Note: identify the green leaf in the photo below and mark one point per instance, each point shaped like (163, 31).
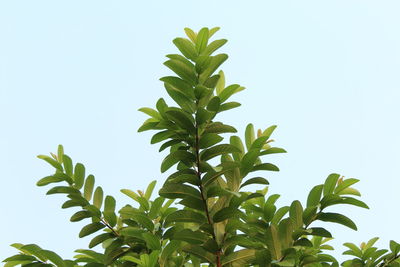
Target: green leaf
(255, 180)
(191, 34)
(221, 82)
(100, 239)
(215, 62)
(20, 257)
(63, 190)
(225, 213)
(53, 257)
(186, 47)
(345, 184)
(218, 127)
(314, 196)
(48, 180)
(51, 161)
(151, 112)
(207, 140)
(228, 106)
(192, 237)
(265, 167)
(152, 241)
(182, 70)
(181, 120)
(213, 46)
(161, 136)
(179, 85)
(239, 258)
(149, 190)
(199, 252)
(175, 157)
(155, 207)
(202, 40)
(98, 197)
(90, 229)
(273, 242)
(80, 215)
(356, 250)
(213, 104)
(268, 132)
(336, 218)
(249, 135)
(296, 214)
(273, 150)
(218, 150)
(79, 175)
(88, 188)
(330, 183)
(68, 166)
(229, 91)
(185, 216)
(130, 194)
(179, 191)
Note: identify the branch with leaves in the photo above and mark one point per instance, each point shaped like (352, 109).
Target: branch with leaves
(203, 216)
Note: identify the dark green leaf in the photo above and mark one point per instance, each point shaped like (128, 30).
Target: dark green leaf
(175, 157)
(79, 175)
(185, 216)
(255, 180)
(218, 150)
(91, 228)
(179, 191)
(80, 215)
(218, 127)
(225, 213)
(337, 218)
(63, 190)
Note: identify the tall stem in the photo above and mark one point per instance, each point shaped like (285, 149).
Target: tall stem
(207, 212)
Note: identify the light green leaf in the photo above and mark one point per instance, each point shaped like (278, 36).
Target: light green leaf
(98, 197)
(202, 40)
(314, 196)
(186, 47)
(330, 183)
(149, 190)
(213, 46)
(51, 161)
(88, 188)
(191, 34)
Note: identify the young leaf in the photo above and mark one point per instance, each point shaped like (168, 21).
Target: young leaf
(98, 197)
(88, 188)
(330, 183)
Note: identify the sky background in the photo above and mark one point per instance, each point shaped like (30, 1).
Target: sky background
(76, 72)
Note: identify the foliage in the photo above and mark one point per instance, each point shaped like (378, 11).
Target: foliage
(203, 216)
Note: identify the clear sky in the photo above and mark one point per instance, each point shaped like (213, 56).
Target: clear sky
(76, 72)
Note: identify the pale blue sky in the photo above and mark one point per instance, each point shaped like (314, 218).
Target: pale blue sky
(75, 73)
